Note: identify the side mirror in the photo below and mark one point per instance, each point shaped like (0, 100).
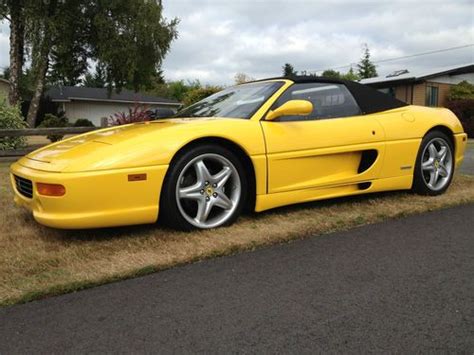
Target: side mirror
(291, 108)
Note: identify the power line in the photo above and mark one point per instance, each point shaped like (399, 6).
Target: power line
(398, 58)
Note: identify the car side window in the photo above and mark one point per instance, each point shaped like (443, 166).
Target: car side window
(330, 100)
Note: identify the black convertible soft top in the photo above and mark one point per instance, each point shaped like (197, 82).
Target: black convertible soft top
(368, 99)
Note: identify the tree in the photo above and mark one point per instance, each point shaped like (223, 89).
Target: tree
(96, 79)
(198, 94)
(39, 24)
(173, 89)
(132, 42)
(27, 84)
(13, 12)
(68, 57)
(157, 78)
(365, 68)
(6, 73)
(241, 78)
(330, 73)
(350, 75)
(128, 37)
(178, 89)
(289, 70)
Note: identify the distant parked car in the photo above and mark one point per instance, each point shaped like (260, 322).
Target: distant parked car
(258, 145)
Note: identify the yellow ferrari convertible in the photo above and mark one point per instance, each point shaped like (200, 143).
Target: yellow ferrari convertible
(254, 146)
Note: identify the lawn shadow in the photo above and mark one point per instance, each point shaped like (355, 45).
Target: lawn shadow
(98, 234)
(157, 230)
(331, 202)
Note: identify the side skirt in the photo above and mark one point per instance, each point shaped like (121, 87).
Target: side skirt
(268, 201)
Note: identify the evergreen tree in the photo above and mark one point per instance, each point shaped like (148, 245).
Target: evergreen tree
(289, 70)
(365, 68)
(6, 73)
(96, 79)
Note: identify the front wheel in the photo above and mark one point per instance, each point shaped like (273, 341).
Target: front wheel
(203, 189)
(435, 164)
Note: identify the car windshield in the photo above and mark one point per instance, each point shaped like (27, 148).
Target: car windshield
(240, 101)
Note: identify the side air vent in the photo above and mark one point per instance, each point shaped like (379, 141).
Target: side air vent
(367, 160)
(364, 185)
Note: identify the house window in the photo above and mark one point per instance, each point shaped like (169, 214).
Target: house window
(431, 96)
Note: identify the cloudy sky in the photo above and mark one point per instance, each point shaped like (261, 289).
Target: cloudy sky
(218, 38)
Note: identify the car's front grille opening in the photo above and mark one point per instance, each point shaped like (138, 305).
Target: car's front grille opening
(24, 186)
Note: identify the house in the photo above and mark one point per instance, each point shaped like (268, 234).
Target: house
(4, 89)
(425, 88)
(97, 104)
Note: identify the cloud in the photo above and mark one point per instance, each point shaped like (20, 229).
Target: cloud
(4, 45)
(218, 38)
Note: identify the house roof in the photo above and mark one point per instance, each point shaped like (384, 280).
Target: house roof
(409, 75)
(4, 81)
(75, 93)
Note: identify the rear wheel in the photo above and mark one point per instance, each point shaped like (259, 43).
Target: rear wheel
(435, 164)
(203, 189)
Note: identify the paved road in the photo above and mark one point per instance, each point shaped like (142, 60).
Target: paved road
(467, 166)
(405, 285)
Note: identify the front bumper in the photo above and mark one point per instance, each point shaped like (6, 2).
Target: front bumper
(93, 199)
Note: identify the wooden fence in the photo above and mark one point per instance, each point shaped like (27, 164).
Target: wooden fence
(63, 131)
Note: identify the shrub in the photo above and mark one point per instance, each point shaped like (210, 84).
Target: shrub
(136, 114)
(461, 91)
(464, 109)
(83, 122)
(52, 121)
(198, 94)
(11, 118)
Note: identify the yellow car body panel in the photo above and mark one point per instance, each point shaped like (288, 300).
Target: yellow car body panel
(315, 144)
(94, 169)
(293, 162)
(94, 199)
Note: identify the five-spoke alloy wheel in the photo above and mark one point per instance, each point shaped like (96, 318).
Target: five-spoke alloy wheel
(216, 196)
(204, 189)
(435, 164)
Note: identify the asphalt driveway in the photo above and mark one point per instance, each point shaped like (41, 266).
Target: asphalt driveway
(402, 286)
(467, 166)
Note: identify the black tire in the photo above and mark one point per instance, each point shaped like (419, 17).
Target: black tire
(420, 185)
(170, 213)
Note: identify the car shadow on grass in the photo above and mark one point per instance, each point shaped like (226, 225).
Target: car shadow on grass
(151, 230)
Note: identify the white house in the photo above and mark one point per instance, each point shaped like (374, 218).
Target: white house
(95, 104)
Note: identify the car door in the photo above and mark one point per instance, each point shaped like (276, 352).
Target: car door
(334, 145)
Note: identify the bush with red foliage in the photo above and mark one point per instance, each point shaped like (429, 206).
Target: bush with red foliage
(464, 109)
(136, 114)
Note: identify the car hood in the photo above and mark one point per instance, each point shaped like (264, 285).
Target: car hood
(134, 145)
